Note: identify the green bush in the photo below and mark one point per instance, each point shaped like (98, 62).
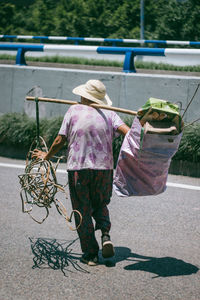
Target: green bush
(18, 131)
(49, 129)
(189, 148)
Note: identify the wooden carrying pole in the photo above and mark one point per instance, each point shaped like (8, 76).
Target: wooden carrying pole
(70, 102)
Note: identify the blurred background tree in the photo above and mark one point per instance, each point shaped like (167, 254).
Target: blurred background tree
(163, 19)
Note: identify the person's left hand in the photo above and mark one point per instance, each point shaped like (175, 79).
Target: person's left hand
(38, 154)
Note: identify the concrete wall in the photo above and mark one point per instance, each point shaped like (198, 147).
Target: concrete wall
(129, 91)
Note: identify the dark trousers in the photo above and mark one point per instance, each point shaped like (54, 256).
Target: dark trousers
(90, 192)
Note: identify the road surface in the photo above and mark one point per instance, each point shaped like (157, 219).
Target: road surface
(156, 242)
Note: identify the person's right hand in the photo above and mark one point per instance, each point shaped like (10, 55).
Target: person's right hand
(38, 154)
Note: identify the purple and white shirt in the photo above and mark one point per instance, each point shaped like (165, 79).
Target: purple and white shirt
(89, 133)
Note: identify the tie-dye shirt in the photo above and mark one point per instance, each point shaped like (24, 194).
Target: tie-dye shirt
(89, 133)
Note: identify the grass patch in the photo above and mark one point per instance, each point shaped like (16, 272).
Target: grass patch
(67, 60)
(166, 67)
(75, 60)
(102, 62)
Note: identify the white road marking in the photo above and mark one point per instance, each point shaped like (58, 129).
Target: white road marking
(170, 184)
(16, 166)
(184, 186)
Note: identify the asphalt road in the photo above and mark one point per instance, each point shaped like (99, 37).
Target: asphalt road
(156, 242)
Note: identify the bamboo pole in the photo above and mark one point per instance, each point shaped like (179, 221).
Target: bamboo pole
(70, 102)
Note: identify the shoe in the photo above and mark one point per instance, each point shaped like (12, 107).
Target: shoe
(107, 246)
(90, 259)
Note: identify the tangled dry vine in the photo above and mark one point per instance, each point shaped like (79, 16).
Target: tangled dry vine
(39, 187)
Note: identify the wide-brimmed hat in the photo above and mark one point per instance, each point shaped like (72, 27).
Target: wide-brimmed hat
(93, 90)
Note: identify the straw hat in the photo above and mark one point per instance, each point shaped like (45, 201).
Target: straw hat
(93, 90)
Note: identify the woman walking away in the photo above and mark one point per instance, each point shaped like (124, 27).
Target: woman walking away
(89, 133)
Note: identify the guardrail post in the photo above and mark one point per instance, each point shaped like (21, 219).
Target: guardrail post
(129, 62)
(20, 58)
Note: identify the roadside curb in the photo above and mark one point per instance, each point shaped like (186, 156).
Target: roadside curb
(185, 168)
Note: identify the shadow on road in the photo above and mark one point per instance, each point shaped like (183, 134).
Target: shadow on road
(54, 254)
(57, 255)
(162, 267)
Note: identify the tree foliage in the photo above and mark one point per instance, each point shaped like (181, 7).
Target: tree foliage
(164, 19)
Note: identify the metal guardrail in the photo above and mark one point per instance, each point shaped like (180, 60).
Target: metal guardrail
(129, 52)
(21, 50)
(110, 40)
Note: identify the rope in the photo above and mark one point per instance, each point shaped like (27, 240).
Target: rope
(191, 100)
(191, 123)
(39, 187)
